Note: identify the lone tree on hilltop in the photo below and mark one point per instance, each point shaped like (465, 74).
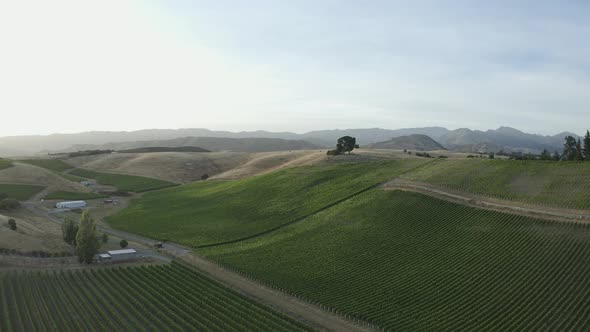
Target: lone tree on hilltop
(587, 145)
(87, 243)
(343, 145)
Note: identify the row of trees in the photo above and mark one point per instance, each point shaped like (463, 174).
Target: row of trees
(576, 150)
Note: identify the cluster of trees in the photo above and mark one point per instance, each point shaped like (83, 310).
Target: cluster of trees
(84, 237)
(574, 150)
(8, 204)
(343, 145)
(88, 153)
(33, 253)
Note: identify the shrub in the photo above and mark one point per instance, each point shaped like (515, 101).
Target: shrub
(123, 243)
(104, 238)
(9, 204)
(204, 176)
(12, 224)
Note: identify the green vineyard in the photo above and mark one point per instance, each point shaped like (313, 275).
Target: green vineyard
(123, 182)
(154, 298)
(209, 212)
(56, 165)
(409, 262)
(543, 183)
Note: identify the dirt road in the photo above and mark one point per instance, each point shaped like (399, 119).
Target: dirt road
(491, 204)
(303, 311)
(298, 309)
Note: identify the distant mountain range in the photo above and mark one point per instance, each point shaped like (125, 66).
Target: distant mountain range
(414, 142)
(503, 138)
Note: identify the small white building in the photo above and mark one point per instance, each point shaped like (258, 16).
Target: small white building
(71, 205)
(104, 258)
(122, 255)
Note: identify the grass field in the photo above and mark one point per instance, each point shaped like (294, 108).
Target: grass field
(123, 182)
(155, 298)
(408, 262)
(216, 211)
(5, 163)
(20, 192)
(69, 195)
(56, 165)
(551, 184)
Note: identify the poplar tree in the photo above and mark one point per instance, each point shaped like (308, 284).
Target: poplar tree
(587, 145)
(87, 243)
(579, 151)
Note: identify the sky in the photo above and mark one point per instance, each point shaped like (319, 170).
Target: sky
(293, 65)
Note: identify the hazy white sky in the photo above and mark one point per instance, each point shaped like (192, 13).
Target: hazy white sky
(70, 66)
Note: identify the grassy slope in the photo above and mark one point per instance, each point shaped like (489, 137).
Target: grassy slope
(56, 165)
(410, 262)
(5, 163)
(162, 298)
(211, 212)
(20, 192)
(553, 184)
(73, 195)
(123, 182)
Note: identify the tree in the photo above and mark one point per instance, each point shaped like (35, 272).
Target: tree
(346, 144)
(12, 224)
(491, 156)
(123, 243)
(556, 156)
(69, 229)
(343, 145)
(579, 151)
(569, 148)
(87, 244)
(104, 238)
(8, 204)
(545, 155)
(587, 145)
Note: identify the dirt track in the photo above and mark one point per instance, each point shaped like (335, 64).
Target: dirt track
(303, 311)
(491, 204)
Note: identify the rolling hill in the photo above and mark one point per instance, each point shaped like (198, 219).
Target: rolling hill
(210, 212)
(545, 183)
(209, 144)
(411, 142)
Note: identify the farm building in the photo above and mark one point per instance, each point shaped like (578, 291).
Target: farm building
(122, 255)
(71, 205)
(104, 258)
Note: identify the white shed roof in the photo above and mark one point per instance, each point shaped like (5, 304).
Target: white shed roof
(121, 252)
(104, 256)
(74, 202)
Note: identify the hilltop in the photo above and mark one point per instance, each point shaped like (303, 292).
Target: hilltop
(411, 142)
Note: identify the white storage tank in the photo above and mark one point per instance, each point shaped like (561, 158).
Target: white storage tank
(71, 205)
